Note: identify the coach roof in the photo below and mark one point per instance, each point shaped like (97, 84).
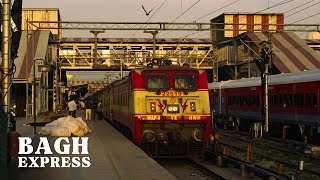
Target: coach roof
(298, 77)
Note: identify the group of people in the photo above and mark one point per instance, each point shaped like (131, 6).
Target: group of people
(92, 108)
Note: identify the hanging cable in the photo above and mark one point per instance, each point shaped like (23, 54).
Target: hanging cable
(302, 9)
(273, 6)
(144, 26)
(218, 9)
(180, 16)
(306, 18)
(299, 6)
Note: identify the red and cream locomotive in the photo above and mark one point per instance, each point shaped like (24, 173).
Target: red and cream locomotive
(163, 108)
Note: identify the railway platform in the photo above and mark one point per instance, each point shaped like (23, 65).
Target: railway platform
(112, 156)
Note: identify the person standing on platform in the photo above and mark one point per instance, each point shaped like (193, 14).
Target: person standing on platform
(94, 108)
(72, 108)
(88, 106)
(82, 106)
(99, 111)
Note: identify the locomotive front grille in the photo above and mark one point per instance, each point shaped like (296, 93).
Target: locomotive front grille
(172, 139)
(176, 150)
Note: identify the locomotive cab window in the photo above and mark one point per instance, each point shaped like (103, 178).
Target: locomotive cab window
(157, 82)
(185, 82)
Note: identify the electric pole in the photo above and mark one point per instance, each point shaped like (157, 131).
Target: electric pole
(5, 76)
(6, 58)
(266, 53)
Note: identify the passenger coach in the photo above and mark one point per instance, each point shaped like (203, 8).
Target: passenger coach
(293, 102)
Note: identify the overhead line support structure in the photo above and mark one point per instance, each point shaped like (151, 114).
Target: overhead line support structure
(95, 33)
(161, 26)
(154, 34)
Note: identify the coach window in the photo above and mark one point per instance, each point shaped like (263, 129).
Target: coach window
(234, 101)
(251, 100)
(298, 100)
(187, 82)
(256, 100)
(311, 100)
(156, 82)
(277, 100)
(248, 100)
(230, 100)
(270, 100)
(287, 100)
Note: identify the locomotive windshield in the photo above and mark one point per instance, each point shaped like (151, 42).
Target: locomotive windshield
(186, 82)
(157, 82)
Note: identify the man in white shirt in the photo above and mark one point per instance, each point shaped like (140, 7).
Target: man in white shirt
(72, 108)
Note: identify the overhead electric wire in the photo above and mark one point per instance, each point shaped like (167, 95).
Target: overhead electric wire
(227, 5)
(144, 26)
(181, 15)
(306, 18)
(299, 34)
(302, 9)
(146, 21)
(218, 9)
(273, 6)
(299, 6)
(186, 10)
(269, 7)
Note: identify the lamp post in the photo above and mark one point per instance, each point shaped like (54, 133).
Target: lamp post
(44, 68)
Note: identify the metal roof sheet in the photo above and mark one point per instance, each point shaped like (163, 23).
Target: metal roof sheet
(291, 54)
(35, 48)
(87, 77)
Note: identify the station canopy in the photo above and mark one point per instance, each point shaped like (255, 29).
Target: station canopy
(35, 48)
(77, 78)
(291, 53)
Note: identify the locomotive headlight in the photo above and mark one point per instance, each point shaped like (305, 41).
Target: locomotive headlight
(149, 136)
(152, 106)
(197, 135)
(173, 108)
(192, 106)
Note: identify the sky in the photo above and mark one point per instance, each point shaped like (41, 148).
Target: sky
(172, 11)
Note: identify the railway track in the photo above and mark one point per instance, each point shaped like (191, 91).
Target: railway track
(270, 153)
(187, 169)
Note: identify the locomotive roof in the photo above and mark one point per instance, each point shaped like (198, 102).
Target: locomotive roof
(298, 77)
(172, 67)
(158, 68)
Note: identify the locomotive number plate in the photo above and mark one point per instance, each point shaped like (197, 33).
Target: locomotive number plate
(171, 93)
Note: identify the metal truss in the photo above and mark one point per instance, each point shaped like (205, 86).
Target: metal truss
(111, 56)
(195, 26)
(124, 56)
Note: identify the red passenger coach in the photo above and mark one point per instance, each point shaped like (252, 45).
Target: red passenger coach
(164, 109)
(293, 102)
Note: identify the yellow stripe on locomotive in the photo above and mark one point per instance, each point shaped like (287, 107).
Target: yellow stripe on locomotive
(192, 106)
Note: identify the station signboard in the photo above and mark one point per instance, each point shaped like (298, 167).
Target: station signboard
(44, 68)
